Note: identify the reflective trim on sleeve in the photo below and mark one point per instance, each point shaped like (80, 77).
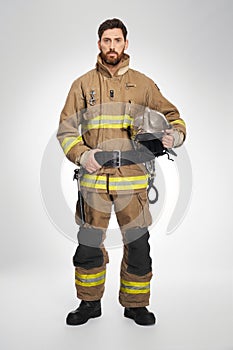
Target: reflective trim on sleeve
(70, 142)
(91, 279)
(130, 287)
(178, 121)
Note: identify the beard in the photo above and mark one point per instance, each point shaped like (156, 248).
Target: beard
(112, 60)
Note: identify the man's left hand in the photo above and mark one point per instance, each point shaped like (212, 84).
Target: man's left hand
(168, 139)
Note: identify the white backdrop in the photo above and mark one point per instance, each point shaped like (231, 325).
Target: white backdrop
(186, 48)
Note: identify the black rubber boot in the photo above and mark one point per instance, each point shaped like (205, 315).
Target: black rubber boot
(85, 311)
(140, 315)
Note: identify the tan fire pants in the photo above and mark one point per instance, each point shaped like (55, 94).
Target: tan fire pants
(90, 259)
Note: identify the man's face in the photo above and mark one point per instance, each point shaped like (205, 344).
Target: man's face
(112, 46)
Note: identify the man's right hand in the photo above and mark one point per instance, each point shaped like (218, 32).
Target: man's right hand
(88, 161)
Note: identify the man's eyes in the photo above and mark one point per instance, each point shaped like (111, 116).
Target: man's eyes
(118, 40)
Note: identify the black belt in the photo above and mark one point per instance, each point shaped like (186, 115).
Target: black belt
(115, 159)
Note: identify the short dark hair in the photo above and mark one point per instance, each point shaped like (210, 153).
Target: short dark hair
(111, 24)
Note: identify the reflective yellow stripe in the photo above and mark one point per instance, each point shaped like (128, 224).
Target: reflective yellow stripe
(134, 291)
(70, 142)
(115, 183)
(106, 126)
(95, 275)
(127, 187)
(178, 121)
(113, 117)
(95, 177)
(115, 179)
(94, 185)
(136, 284)
(109, 122)
(94, 181)
(130, 178)
(89, 284)
(90, 280)
(131, 182)
(132, 287)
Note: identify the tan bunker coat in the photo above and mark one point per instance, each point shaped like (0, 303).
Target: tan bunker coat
(99, 113)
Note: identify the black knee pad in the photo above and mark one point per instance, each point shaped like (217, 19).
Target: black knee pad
(133, 234)
(139, 260)
(89, 236)
(88, 257)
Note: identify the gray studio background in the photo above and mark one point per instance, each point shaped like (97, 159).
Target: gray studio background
(186, 48)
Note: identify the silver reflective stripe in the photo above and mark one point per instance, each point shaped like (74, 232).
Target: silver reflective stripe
(110, 121)
(135, 287)
(127, 183)
(91, 279)
(105, 121)
(93, 181)
(68, 142)
(115, 183)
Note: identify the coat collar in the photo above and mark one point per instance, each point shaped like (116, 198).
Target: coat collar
(123, 67)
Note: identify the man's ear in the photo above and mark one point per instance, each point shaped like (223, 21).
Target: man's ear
(99, 45)
(126, 44)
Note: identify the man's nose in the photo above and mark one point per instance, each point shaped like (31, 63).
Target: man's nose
(112, 45)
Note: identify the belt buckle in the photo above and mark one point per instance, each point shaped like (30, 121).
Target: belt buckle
(116, 158)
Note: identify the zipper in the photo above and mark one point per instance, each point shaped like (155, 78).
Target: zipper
(107, 182)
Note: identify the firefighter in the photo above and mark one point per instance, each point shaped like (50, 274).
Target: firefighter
(96, 129)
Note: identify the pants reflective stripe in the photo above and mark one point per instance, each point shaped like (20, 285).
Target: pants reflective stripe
(90, 284)
(132, 291)
(135, 287)
(70, 142)
(90, 280)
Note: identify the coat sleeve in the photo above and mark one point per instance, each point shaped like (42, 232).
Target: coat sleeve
(69, 134)
(158, 102)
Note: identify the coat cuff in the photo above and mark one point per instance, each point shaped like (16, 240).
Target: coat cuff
(178, 138)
